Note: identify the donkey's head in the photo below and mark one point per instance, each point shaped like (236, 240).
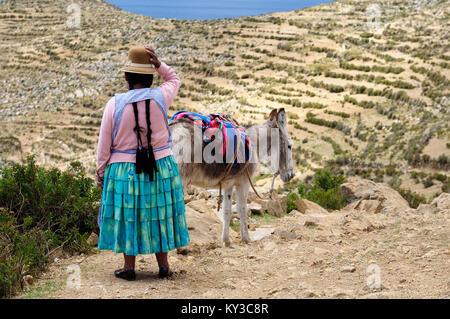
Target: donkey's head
(277, 119)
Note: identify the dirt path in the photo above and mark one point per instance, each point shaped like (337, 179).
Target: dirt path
(307, 256)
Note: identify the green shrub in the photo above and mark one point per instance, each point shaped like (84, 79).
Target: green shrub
(44, 209)
(428, 182)
(20, 253)
(336, 147)
(413, 199)
(290, 206)
(326, 180)
(329, 199)
(311, 118)
(324, 189)
(341, 114)
(440, 177)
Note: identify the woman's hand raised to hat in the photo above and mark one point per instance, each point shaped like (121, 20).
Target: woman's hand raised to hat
(153, 57)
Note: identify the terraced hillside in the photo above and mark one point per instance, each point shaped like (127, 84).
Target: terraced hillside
(366, 86)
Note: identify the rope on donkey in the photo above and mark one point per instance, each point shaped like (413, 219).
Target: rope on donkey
(251, 183)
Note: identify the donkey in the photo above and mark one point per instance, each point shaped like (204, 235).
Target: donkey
(274, 150)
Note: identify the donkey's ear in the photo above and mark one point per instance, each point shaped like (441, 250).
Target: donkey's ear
(273, 115)
(281, 115)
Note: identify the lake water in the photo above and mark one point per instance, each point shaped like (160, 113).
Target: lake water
(207, 9)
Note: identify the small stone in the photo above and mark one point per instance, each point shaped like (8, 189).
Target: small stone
(310, 223)
(295, 213)
(204, 195)
(348, 269)
(255, 208)
(260, 233)
(311, 294)
(287, 233)
(307, 207)
(341, 294)
(320, 251)
(28, 280)
(93, 239)
(182, 251)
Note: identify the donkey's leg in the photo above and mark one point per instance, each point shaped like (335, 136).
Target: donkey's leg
(241, 198)
(226, 215)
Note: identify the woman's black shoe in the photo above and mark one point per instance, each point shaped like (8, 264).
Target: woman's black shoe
(164, 272)
(129, 275)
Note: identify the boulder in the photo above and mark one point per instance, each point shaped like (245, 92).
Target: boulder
(255, 208)
(304, 205)
(287, 233)
(191, 190)
(367, 205)
(290, 230)
(260, 233)
(442, 202)
(273, 207)
(282, 199)
(425, 209)
(201, 205)
(204, 228)
(366, 195)
(203, 195)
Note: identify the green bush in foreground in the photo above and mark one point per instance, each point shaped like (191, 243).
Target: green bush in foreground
(42, 210)
(324, 189)
(291, 198)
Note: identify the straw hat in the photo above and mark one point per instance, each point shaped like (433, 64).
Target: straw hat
(139, 62)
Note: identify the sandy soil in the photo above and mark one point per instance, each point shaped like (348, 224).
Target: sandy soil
(307, 256)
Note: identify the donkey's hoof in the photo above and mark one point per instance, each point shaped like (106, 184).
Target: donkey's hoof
(227, 243)
(245, 238)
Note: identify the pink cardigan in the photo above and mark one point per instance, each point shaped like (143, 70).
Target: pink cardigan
(126, 137)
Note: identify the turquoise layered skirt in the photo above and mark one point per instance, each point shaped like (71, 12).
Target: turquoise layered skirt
(139, 216)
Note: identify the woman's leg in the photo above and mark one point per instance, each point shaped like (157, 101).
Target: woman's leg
(127, 272)
(162, 259)
(129, 262)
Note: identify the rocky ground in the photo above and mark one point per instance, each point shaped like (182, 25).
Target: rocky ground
(376, 247)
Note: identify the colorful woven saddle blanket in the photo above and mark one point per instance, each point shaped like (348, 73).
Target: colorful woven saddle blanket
(228, 137)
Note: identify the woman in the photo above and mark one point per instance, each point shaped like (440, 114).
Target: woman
(142, 209)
